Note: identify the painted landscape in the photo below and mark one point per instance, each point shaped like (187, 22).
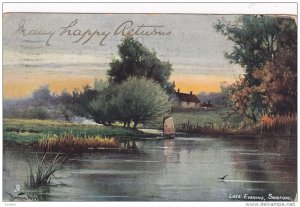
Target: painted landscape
(149, 107)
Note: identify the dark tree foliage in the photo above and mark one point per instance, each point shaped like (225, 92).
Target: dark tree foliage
(102, 107)
(256, 40)
(138, 61)
(255, 37)
(64, 103)
(81, 99)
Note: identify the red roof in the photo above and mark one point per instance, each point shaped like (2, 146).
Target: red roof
(187, 97)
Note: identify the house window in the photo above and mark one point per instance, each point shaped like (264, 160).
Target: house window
(188, 103)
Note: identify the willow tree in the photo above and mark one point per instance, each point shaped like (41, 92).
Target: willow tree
(139, 100)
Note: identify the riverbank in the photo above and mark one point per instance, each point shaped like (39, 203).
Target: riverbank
(32, 130)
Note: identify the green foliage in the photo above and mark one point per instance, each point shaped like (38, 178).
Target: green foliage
(102, 107)
(100, 85)
(140, 100)
(64, 105)
(256, 39)
(137, 60)
(81, 99)
(135, 100)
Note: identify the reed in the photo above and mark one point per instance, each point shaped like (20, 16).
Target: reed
(279, 125)
(284, 125)
(69, 143)
(41, 177)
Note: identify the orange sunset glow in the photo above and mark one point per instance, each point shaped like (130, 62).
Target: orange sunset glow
(22, 85)
(199, 83)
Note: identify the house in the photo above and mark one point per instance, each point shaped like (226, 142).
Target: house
(185, 100)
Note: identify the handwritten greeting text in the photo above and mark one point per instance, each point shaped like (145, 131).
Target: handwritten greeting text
(83, 36)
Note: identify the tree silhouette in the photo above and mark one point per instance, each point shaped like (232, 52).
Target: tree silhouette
(138, 61)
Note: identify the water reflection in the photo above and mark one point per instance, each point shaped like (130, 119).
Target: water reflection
(183, 169)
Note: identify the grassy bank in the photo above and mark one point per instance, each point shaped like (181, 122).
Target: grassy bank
(203, 116)
(32, 130)
(196, 117)
(211, 123)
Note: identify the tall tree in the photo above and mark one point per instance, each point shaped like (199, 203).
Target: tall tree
(138, 61)
(256, 40)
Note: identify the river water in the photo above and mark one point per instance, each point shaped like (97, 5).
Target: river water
(183, 169)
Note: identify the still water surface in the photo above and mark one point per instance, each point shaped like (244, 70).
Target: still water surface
(183, 169)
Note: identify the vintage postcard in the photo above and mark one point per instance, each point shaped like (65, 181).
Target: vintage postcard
(149, 107)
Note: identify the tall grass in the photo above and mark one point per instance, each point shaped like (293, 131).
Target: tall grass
(69, 143)
(208, 128)
(41, 177)
(285, 125)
